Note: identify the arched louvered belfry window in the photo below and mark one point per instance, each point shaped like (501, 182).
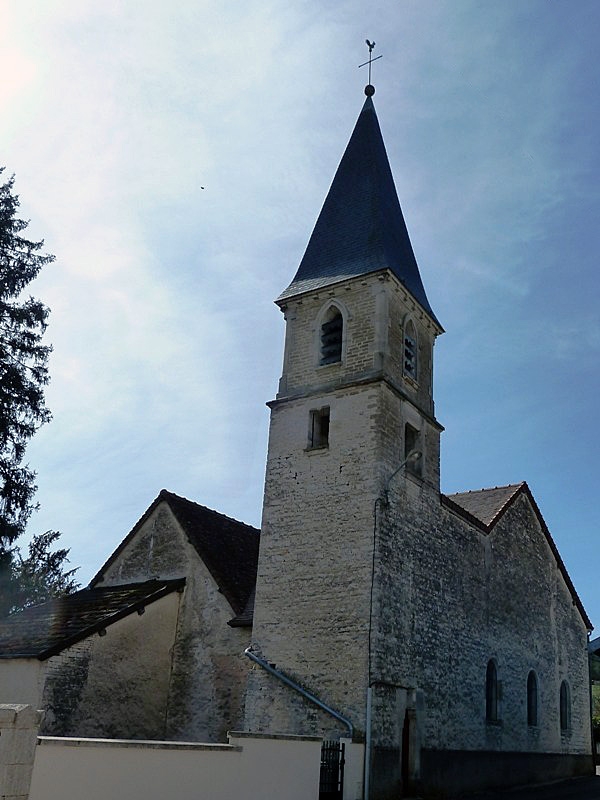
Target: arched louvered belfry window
(565, 707)
(332, 331)
(532, 700)
(491, 692)
(410, 359)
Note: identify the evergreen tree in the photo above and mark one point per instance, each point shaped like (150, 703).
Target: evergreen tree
(38, 577)
(23, 373)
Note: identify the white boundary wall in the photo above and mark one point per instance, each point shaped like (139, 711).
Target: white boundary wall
(253, 766)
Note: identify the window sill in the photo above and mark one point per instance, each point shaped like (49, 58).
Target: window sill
(321, 448)
(418, 479)
(331, 364)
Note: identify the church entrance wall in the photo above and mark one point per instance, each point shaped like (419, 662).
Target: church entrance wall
(395, 758)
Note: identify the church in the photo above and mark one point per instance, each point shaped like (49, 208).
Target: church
(441, 631)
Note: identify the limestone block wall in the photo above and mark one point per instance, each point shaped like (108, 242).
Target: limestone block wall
(375, 308)
(394, 412)
(313, 586)
(208, 670)
(401, 308)
(115, 685)
(357, 300)
(19, 724)
(312, 613)
(158, 549)
(468, 597)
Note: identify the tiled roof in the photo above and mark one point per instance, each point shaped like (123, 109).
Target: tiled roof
(44, 630)
(245, 619)
(594, 645)
(228, 548)
(486, 504)
(485, 507)
(361, 228)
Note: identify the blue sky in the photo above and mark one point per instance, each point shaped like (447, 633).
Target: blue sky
(166, 341)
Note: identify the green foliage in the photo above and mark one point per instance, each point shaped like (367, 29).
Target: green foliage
(38, 576)
(596, 704)
(23, 372)
(23, 364)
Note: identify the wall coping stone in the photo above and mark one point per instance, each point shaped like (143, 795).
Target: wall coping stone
(289, 736)
(145, 744)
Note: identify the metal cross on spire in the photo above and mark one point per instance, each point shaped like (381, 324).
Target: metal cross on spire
(370, 89)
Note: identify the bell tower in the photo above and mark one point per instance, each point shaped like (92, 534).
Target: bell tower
(354, 410)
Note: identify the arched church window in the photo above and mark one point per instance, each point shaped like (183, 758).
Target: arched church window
(491, 692)
(332, 331)
(532, 700)
(410, 355)
(565, 706)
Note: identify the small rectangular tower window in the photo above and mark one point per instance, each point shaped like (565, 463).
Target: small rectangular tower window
(412, 443)
(318, 433)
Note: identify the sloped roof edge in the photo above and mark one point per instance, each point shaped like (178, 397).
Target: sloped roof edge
(360, 228)
(157, 589)
(234, 562)
(303, 287)
(173, 501)
(523, 489)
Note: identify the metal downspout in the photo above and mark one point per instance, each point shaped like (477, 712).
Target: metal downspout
(367, 768)
(296, 687)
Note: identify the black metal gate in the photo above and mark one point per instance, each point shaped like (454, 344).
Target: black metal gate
(331, 784)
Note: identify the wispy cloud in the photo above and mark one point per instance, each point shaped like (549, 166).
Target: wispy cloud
(166, 341)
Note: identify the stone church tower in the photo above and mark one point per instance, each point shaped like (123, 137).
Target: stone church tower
(353, 421)
(444, 632)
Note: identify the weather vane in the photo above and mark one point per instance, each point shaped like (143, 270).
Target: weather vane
(370, 89)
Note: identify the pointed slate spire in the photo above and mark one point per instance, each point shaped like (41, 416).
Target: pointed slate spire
(360, 228)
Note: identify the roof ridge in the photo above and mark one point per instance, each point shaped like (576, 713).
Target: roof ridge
(489, 489)
(166, 494)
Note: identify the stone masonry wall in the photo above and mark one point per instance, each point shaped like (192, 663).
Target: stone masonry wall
(206, 695)
(208, 670)
(401, 307)
(312, 613)
(115, 685)
(176, 672)
(19, 724)
(469, 597)
(446, 597)
(374, 308)
(357, 302)
(312, 605)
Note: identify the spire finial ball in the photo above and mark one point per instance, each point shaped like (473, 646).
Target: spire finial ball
(369, 90)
